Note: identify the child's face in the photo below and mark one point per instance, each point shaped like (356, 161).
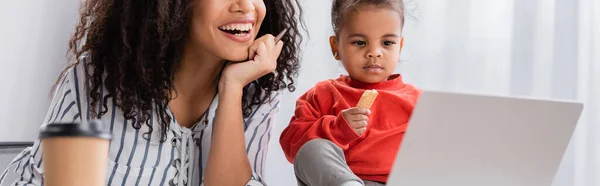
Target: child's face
(369, 43)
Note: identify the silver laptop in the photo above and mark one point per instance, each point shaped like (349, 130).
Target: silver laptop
(474, 140)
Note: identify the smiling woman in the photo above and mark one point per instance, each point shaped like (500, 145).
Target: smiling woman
(188, 88)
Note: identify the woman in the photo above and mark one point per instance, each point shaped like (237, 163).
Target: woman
(189, 93)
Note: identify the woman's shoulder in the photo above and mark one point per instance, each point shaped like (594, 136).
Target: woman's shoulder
(70, 88)
(72, 76)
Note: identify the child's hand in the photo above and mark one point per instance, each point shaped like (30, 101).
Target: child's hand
(357, 118)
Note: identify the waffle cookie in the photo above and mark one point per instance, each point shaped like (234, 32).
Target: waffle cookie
(367, 99)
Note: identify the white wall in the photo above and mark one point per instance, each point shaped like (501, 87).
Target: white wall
(33, 44)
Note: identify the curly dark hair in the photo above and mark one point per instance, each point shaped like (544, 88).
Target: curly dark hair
(133, 48)
(340, 8)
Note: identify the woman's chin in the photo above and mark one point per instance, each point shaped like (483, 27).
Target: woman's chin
(236, 58)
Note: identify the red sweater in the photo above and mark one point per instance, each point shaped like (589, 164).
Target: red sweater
(318, 116)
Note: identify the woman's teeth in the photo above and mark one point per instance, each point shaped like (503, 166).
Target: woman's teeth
(236, 29)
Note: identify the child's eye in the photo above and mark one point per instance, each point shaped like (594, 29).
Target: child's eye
(359, 43)
(388, 43)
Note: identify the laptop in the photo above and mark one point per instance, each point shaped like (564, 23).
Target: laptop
(477, 140)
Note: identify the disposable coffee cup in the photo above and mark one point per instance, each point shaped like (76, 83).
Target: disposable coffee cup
(75, 154)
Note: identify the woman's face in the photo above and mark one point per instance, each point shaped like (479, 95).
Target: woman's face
(226, 28)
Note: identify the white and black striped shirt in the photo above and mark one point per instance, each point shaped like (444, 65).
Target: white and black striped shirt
(135, 160)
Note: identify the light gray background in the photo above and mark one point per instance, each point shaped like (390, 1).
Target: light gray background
(541, 48)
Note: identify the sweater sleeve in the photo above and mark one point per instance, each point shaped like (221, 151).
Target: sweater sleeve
(309, 122)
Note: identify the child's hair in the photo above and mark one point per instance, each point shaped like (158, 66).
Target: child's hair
(341, 8)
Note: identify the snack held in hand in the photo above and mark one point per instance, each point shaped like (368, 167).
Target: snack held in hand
(367, 99)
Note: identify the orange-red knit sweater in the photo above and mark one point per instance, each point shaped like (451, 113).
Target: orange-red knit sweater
(318, 115)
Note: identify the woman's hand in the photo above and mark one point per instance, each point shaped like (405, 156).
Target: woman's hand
(228, 163)
(262, 55)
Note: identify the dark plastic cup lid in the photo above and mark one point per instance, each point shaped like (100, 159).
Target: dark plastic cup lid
(91, 129)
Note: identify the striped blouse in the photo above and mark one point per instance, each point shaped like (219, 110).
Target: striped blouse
(136, 160)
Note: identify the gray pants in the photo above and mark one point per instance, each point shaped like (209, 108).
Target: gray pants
(320, 162)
